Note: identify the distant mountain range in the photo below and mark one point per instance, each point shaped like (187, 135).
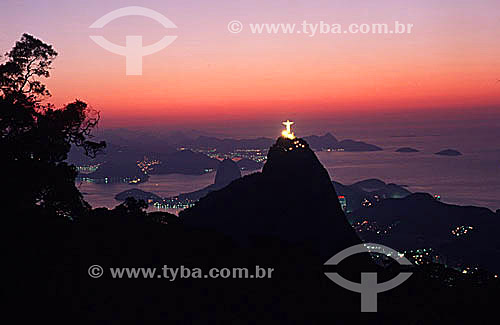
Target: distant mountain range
(327, 141)
(127, 148)
(150, 142)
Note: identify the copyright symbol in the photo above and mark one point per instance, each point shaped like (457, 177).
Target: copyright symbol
(235, 26)
(96, 271)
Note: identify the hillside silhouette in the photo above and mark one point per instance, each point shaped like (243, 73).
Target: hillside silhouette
(300, 229)
(292, 199)
(461, 234)
(287, 218)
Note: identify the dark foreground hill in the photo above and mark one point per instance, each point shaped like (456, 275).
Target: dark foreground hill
(292, 199)
(465, 235)
(368, 192)
(286, 218)
(115, 172)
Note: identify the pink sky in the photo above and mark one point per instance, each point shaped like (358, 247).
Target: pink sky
(450, 62)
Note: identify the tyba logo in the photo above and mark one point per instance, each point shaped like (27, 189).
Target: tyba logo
(133, 50)
(368, 286)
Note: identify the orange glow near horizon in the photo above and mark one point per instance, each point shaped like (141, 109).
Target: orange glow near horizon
(449, 61)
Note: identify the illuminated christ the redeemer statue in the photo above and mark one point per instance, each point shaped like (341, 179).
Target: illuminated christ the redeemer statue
(287, 133)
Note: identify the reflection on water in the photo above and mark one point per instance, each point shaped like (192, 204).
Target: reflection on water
(465, 180)
(471, 179)
(103, 195)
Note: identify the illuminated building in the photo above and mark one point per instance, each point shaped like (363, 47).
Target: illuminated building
(343, 203)
(366, 203)
(461, 230)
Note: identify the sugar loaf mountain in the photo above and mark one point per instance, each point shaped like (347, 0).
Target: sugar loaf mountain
(227, 171)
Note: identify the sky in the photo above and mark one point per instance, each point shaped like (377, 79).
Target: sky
(447, 67)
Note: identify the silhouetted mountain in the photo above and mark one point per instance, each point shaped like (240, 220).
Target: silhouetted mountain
(292, 199)
(63, 255)
(392, 191)
(77, 155)
(116, 153)
(377, 187)
(321, 142)
(178, 162)
(116, 171)
(373, 190)
(136, 141)
(227, 171)
(357, 146)
(131, 146)
(449, 152)
(65, 260)
(407, 150)
(138, 195)
(184, 136)
(186, 162)
(327, 141)
(179, 137)
(371, 184)
(420, 221)
(248, 164)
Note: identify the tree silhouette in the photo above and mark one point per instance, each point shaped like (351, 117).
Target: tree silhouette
(30, 58)
(132, 207)
(35, 138)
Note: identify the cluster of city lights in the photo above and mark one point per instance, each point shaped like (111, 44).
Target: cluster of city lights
(146, 164)
(174, 203)
(372, 227)
(366, 203)
(258, 155)
(461, 230)
(87, 169)
(422, 256)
